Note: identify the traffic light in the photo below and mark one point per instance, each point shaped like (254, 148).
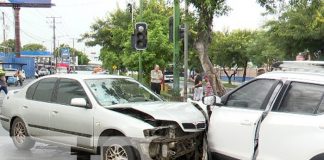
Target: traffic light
(171, 29)
(140, 36)
(181, 31)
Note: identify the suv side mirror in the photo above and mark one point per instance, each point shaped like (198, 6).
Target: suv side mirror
(79, 102)
(212, 100)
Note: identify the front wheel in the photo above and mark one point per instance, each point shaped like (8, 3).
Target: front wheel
(118, 148)
(20, 135)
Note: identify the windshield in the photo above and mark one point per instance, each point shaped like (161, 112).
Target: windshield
(116, 91)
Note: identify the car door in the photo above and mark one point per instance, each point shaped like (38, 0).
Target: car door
(294, 129)
(71, 125)
(233, 127)
(38, 106)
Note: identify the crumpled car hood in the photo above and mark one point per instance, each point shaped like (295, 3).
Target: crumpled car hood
(180, 112)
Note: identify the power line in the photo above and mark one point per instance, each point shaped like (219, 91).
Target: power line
(30, 35)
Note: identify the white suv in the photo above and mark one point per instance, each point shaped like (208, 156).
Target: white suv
(89, 111)
(278, 115)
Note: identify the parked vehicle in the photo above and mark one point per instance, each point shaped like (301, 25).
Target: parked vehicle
(43, 72)
(12, 81)
(168, 76)
(84, 69)
(91, 111)
(278, 115)
(10, 72)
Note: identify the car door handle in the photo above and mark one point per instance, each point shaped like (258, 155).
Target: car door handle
(25, 107)
(246, 123)
(55, 112)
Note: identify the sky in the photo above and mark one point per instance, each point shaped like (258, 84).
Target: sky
(76, 16)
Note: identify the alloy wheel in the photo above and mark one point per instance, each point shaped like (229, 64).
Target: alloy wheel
(20, 132)
(116, 152)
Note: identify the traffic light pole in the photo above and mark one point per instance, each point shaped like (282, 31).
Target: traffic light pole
(185, 86)
(176, 47)
(140, 65)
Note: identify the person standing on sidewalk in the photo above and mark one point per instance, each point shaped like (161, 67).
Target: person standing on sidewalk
(198, 88)
(156, 79)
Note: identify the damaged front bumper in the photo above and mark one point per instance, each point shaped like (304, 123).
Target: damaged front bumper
(164, 143)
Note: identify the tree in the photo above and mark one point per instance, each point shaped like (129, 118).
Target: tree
(229, 50)
(34, 47)
(8, 46)
(113, 33)
(207, 9)
(262, 51)
(299, 26)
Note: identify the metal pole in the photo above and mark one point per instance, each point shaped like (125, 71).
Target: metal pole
(140, 74)
(17, 30)
(185, 86)
(4, 26)
(73, 55)
(54, 43)
(176, 47)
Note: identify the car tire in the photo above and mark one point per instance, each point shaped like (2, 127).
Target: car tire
(20, 135)
(118, 148)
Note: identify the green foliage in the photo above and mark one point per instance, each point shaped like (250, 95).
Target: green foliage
(34, 47)
(300, 26)
(230, 49)
(262, 51)
(113, 33)
(8, 46)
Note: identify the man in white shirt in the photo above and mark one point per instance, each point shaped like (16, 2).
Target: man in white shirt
(156, 79)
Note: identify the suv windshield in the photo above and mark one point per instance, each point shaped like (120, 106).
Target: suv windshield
(115, 91)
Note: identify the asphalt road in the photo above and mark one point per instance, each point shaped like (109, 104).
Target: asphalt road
(40, 152)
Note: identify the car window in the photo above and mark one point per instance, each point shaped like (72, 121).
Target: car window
(252, 95)
(31, 90)
(45, 89)
(69, 89)
(302, 98)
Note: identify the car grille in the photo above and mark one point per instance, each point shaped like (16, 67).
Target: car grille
(200, 125)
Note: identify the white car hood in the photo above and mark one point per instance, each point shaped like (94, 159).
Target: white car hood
(181, 112)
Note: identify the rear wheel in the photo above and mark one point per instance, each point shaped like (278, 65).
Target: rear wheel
(20, 135)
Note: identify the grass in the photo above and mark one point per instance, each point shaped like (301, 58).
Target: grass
(227, 85)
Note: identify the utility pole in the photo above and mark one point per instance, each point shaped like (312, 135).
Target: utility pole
(4, 26)
(185, 86)
(17, 30)
(176, 47)
(54, 38)
(73, 54)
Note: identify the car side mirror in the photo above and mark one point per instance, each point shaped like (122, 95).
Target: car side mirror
(79, 102)
(212, 100)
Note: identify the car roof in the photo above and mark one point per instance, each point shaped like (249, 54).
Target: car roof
(310, 77)
(86, 76)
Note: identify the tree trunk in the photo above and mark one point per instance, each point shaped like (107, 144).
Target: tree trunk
(202, 48)
(229, 77)
(205, 24)
(244, 72)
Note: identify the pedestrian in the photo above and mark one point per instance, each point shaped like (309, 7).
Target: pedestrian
(156, 79)
(3, 84)
(198, 89)
(20, 77)
(208, 88)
